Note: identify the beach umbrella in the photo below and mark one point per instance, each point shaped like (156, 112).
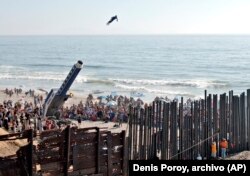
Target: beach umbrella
(111, 103)
(102, 97)
(137, 94)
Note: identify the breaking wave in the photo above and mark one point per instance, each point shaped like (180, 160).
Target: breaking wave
(175, 83)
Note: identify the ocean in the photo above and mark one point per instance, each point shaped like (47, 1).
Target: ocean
(148, 65)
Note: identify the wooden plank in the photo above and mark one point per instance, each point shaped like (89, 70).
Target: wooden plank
(145, 129)
(243, 122)
(172, 135)
(136, 133)
(109, 144)
(160, 133)
(236, 121)
(163, 144)
(153, 122)
(215, 113)
(167, 129)
(223, 116)
(181, 123)
(30, 153)
(209, 124)
(215, 121)
(140, 151)
(157, 125)
(133, 133)
(175, 150)
(190, 135)
(203, 126)
(164, 136)
(150, 119)
(230, 120)
(12, 136)
(196, 128)
(147, 132)
(67, 150)
(233, 140)
(248, 119)
(130, 133)
(192, 131)
(98, 147)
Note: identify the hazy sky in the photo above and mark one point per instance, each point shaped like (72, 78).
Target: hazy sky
(42, 17)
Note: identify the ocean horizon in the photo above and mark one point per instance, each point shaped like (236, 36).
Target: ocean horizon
(152, 65)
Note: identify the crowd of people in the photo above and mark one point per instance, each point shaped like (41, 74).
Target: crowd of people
(21, 115)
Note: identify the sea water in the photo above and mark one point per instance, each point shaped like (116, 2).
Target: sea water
(156, 65)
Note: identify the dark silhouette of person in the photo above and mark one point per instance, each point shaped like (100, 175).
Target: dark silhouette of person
(112, 19)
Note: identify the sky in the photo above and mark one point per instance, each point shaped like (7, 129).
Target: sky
(89, 17)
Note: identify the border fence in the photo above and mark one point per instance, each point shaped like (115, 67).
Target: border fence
(177, 130)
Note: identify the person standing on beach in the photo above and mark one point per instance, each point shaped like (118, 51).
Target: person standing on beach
(5, 123)
(99, 114)
(19, 125)
(223, 146)
(119, 116)
(213, 150)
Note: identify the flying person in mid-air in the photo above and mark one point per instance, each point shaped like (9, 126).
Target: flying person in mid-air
(112, 19)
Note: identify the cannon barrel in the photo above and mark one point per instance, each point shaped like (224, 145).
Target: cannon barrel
(57, 97)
